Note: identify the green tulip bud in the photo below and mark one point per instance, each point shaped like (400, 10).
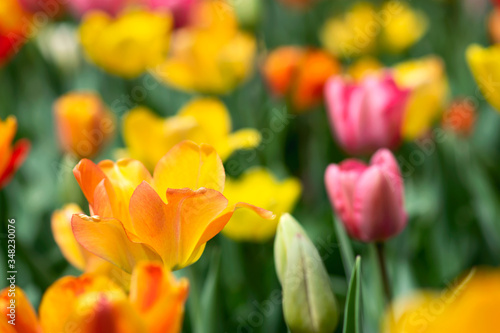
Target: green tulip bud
(309, 304)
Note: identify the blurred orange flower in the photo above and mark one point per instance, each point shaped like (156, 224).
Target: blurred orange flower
(14, 305)
(14, 28)
(167, 217)
(460, 117)
(494, 25)
(93, 303)
(11, 157)
(84, 124)
(300, 73)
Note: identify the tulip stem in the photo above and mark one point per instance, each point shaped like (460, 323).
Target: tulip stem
(383, 270)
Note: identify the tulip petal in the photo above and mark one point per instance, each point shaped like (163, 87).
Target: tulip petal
(158, 297)
(88, 175)
(25, 316)
(96, 235)
(212, 116)
(174, 229)
(59, 300)
(189, 165)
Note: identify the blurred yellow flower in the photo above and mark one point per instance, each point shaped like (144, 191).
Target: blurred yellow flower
(129, 44)
(203, 120)
(485, 66)
(258, 186)
(405, 26)
(84, 123)
(471, 306)
(364, 66)
(347, 35)
(426, 78)
(364, 29)
(211, 56)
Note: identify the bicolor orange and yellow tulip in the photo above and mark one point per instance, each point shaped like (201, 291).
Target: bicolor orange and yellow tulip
(203, 120)
(128, 45)
(166, 217)
(93, 303)
(84, 124)
(260, 187)
(11, 156)
(210, 56)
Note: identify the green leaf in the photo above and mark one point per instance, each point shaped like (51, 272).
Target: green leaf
(351, 312)
(345, 247)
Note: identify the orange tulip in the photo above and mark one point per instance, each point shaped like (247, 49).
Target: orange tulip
(301, 73)
(11, 157)
(14, 25)
(460, 117)
(23, 318)
(84, 124)
(93, 303)
(167, 217)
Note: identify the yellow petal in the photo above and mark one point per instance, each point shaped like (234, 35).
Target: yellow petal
(189, 165)
(259, 187)
(158, 297)
(108, 239)
(59, 300)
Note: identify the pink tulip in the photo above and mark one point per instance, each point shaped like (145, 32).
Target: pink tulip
(112, 7)
(366, 116)
(180, 9)
(369, 199)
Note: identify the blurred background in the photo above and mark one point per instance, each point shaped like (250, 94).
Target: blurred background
(451, 174)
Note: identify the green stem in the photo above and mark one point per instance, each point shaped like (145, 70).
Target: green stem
(383, 270)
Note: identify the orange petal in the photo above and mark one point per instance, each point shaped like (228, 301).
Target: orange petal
(25, 317)
(63, 235)
(108, 239)
(19, 154)
(158, 297)
(189, 165)
(174, 229)
(88, 175)
(58, 302)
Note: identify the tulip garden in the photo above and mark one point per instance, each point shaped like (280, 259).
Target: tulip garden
(213, 166)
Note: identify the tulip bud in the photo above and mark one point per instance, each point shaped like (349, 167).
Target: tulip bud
(309, 305)
(368, 115)
(368, 198)
(84, 124)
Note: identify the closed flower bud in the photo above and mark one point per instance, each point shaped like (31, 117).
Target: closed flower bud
(309, 304)
(369, 199)
(368, 115)
(84, 124)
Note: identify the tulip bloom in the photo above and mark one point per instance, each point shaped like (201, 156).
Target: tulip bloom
(460, 117)
(470, 306)
(485, 66)
(258, 186)
(84, 124)
(93, 303)
(180, 9)
(118, 47)
(300, 73)
(11, 157)
(111, 7)
(369, 199)
(368, 115)
(363, 67)
(13, 28)
(426, 78)
(203, 120)
(167, 217)
(211, 55)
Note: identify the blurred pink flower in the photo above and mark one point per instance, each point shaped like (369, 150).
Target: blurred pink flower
(112, 7)
(369, 199)
(181, 9)
(368, 115)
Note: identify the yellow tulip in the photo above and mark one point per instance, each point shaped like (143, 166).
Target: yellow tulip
(259, 187)
(426, 78)
(364, 66)
(129, 44)
(93, 303)
(167, 217)
(203, 120)
(84, 123)
(211, 56)
(405, 26)
(471, 306)
(347, 36)
(485, 66)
